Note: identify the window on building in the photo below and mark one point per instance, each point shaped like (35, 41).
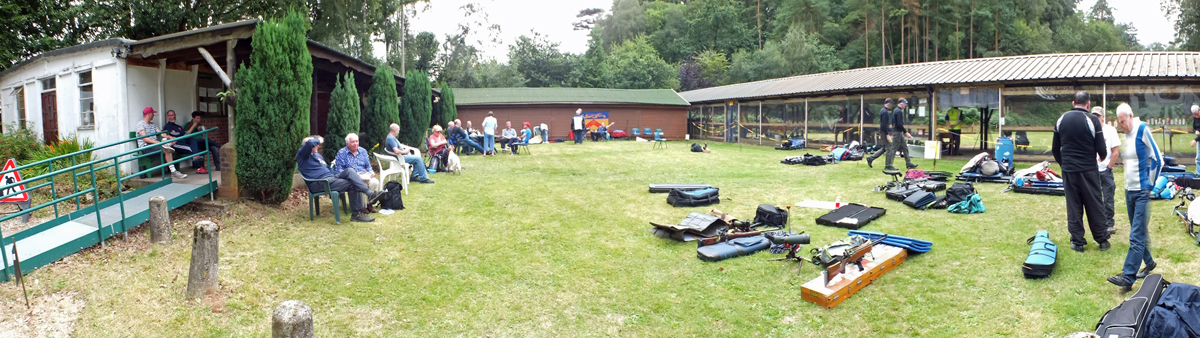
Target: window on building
(19, 95)
(47, 84)
(87, 106)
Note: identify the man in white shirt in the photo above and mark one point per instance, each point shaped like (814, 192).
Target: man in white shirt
(1108, 185)
(489, 134)
(577, 126)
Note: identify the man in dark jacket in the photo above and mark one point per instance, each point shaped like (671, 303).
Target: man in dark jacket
(884, 141)
(899, 135)
(1196, 130)
(1078, 143)
(312, 166)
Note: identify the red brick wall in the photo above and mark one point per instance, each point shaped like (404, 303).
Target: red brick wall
(671, 119)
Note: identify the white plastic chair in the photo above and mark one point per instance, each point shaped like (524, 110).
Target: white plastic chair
(395, 166)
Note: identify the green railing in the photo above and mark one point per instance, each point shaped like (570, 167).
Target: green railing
(77, 171)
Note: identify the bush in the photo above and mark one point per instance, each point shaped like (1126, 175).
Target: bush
(19, 144)
(70, 144)
(383, 108)
(274, 96)
(344, 115)
(449, 110)
(416, 101)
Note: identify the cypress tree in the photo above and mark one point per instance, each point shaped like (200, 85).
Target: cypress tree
(383, 108)
(449, 110)
(416, 101)
(274, 96)
(344, 115)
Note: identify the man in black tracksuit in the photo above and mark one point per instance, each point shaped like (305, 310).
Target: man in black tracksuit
(899, 135)
(1078, 142)
(884, 142)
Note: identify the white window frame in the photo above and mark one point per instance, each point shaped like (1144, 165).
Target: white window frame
(18, 94)
(87, 104)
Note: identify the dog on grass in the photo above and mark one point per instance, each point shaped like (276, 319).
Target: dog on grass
(453, 164)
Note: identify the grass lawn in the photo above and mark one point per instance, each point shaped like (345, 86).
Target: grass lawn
(556, 244)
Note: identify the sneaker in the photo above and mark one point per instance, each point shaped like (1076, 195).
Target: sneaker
(179, 175)
(1119, 280)
(1146, 271)
(869, 160)
(912, 166)
(1077, 248)
(1104, 246)
(362, 218)
(201, 171)
(168, 149)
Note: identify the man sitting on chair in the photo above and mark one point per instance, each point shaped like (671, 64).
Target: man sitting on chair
(355, 158)
(312, 166)
(459, 135)
(508, 136)
(410, 155)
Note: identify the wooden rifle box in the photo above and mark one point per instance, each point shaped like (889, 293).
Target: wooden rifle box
(883, 258)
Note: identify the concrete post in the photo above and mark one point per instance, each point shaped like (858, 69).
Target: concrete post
(160, 221)
(202, 276)
(292, 319)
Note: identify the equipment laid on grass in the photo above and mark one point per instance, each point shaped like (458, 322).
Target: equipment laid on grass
(910, 244)
(792, 242)
(736, 247)
(1177, 312)
(972, 205)
(902, 192)
(829, 292)
(791, 144)
(985, 168)
(694, 226)
(1164, 189)
(1129, 319)
(693, 198)
(1043, 256)
(920, 200)
(1191, 217)
(834, 257)
(1038, 180)
(770, 215)
(667, 187)
(851, 216)
(809, 159)
(392, 198)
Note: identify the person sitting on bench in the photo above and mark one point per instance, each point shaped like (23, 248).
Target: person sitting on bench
(148, 131)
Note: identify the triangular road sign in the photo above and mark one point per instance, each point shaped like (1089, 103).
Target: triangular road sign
(10, 178)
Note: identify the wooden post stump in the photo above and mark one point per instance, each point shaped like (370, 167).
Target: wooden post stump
(292, 319)
(160, 221)
(202, 276)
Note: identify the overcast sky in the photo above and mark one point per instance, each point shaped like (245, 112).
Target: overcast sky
(553, 19)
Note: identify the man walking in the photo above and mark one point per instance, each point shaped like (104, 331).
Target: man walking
(1078, 142)
(1142, 165)
(885, 141)
(1108, 186)
(899, 135)
(577, 126)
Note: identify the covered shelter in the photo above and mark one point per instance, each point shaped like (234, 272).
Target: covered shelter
(1016, 96)
(624, 108)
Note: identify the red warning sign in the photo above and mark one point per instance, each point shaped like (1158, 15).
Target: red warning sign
(11, 178)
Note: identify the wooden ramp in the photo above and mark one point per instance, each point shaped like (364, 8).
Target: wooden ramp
(64, 236)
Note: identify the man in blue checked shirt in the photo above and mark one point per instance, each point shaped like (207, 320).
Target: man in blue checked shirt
(353, 157)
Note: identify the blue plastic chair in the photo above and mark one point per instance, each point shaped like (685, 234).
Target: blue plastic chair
(635, 133)
(647, 132)
(658, 135)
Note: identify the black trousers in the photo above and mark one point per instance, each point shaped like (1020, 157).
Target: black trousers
(1084, 195)
(955, 141)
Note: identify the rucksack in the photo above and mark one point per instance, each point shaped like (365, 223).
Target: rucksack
(770, 215)
(392, 197)
(959, 192)
(696, 148)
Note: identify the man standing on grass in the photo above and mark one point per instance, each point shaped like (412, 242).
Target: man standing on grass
(577, 126)
(1078, 143)
(885, 141)
(1108, 186)
(1196, 130)
(489, 134)
(1142, 165)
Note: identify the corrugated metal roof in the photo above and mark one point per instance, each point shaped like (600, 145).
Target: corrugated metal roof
(1082, 67)
(481, 96)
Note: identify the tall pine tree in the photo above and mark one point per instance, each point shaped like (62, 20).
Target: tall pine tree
(274, 96)
(383, 108)
(449, 110)
(344, 115)
(417, 105)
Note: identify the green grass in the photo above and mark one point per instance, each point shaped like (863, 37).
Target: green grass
(556, 244)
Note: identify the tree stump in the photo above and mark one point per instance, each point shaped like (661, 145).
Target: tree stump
(202, 276)
(160, 221)
(292, 319)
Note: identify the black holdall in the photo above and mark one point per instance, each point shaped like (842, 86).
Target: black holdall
(1128, 320)
(920, 199)
(770, 215)
(392, 196)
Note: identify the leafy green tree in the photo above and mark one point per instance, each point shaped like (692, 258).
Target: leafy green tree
(345, 113)
(667, 25)
(423, 48)
(628, 20)
(492, 74)
(274, 93)
(635, 65)
(1187, 22)
(383, 109)
(416, 102)
(539, 61)
(718, 25)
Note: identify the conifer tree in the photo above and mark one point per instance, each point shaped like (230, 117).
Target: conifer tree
(344, 115)
(418, 105)
(383, 109)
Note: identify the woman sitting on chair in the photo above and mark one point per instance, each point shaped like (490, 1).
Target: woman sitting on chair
(437, 149)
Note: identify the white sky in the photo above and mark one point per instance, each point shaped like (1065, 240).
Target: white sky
(553, 18)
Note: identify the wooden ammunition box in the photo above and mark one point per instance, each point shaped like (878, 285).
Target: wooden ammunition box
(883, 258)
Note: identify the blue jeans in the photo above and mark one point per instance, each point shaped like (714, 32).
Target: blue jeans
(419, 170)
(489, 142)
(1138, 204)
(1197, 158)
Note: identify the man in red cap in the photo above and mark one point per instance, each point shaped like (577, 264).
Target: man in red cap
(148, 131)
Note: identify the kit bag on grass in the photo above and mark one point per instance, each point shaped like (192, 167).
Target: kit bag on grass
(902, 192)
(393, 198)
(959, 192)
(920, 199)
(733, 248)
(1043, 255)
(693, 198)
(770, 215)
(1128, 320)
